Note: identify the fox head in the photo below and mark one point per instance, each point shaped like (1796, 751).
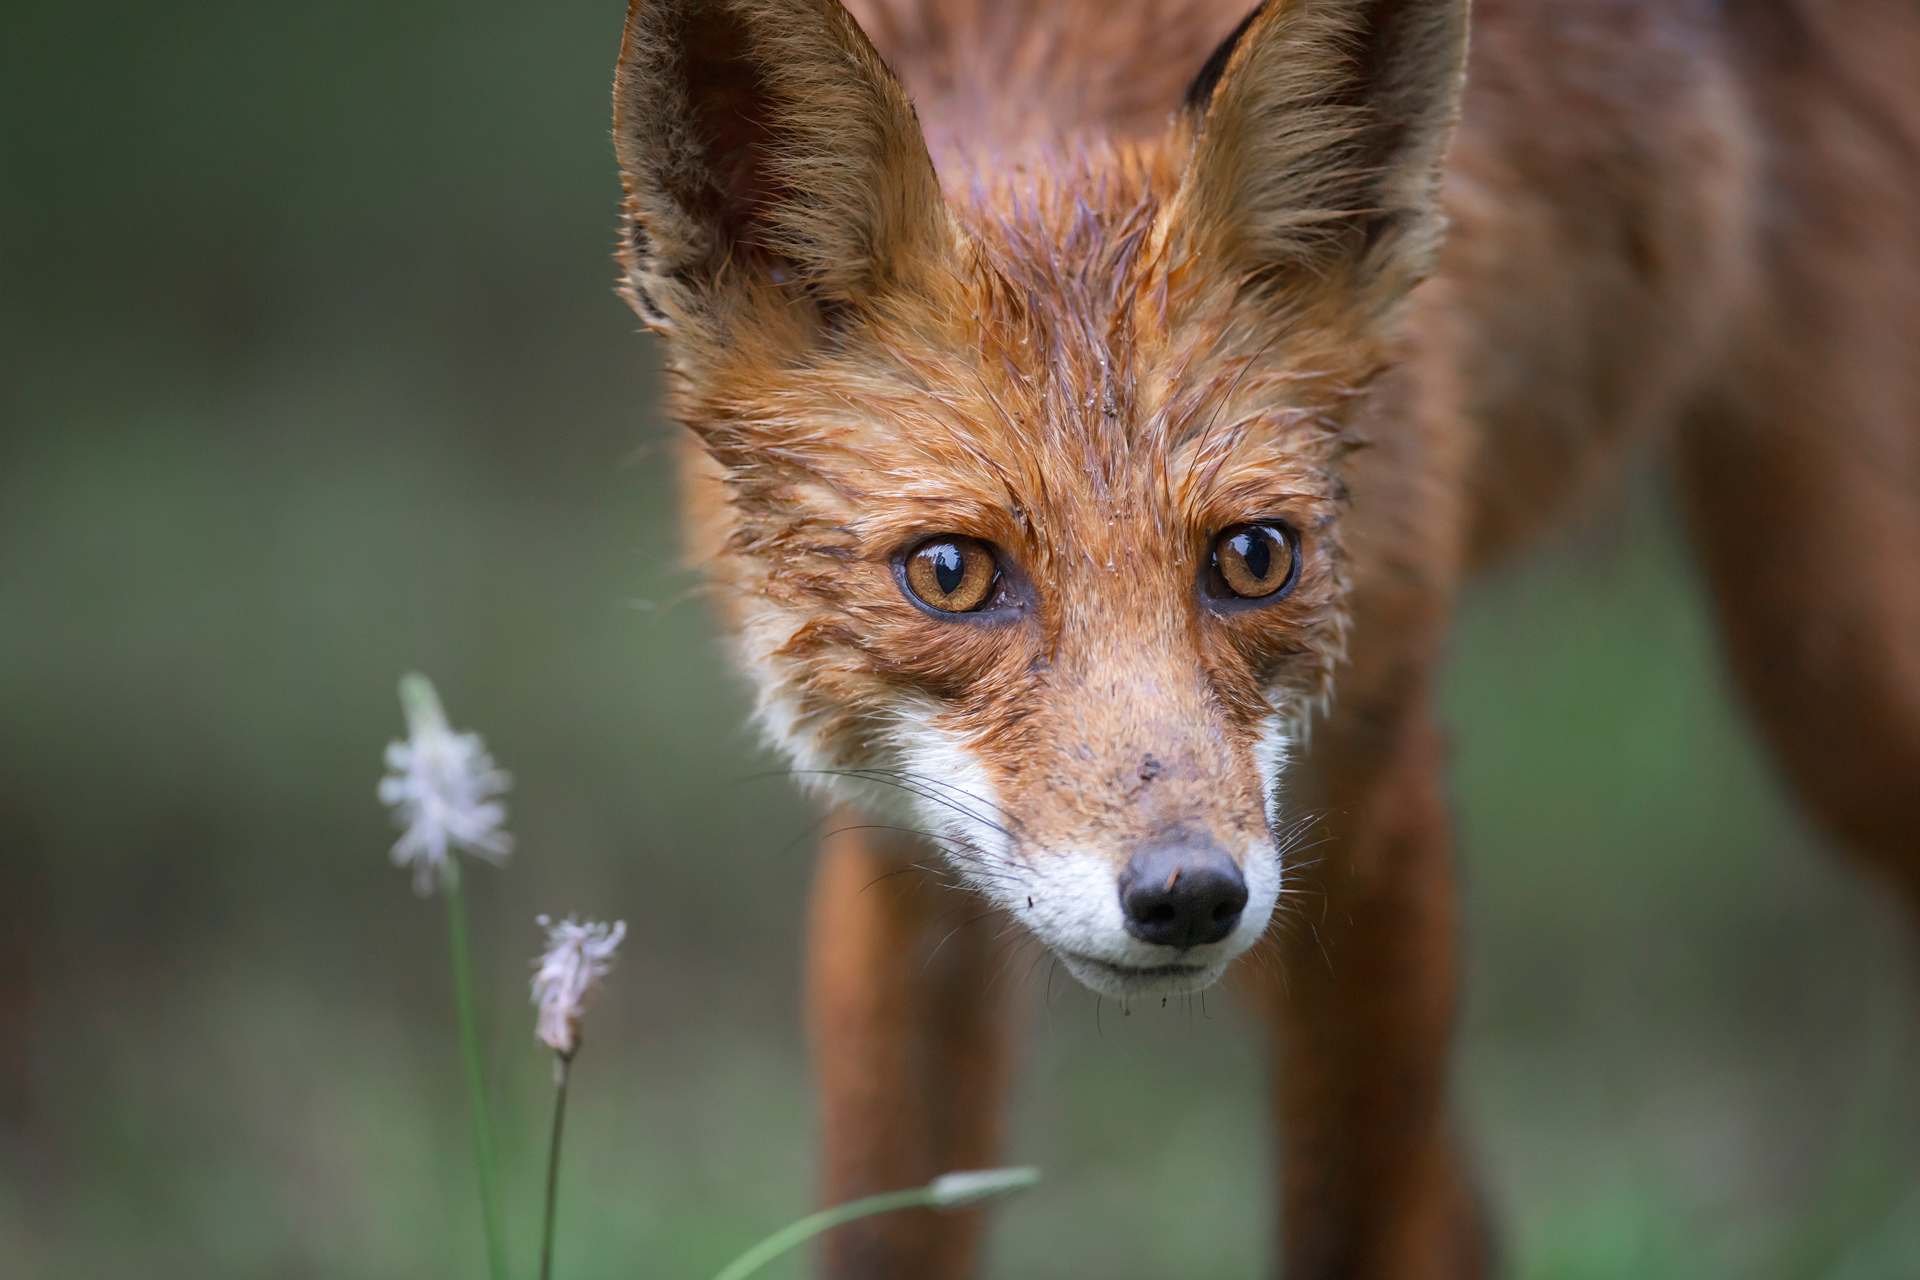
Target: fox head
(1023, 489)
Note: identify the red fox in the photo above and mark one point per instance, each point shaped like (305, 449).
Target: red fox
(1095, 408)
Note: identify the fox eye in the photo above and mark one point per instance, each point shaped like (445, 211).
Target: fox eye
(951, 573)
(1256, 561)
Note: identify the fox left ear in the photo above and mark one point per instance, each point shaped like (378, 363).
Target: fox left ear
(1319, 128)
(773, 166)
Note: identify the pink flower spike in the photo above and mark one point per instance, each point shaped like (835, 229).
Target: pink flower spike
(576, 958)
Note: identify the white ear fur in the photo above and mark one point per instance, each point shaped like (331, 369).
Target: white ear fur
(767, 152)
(1319, 129)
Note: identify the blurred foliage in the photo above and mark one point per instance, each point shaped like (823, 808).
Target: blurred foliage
(311, 373)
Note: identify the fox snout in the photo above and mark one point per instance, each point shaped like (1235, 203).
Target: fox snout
(1182, 892)
(1167, 920)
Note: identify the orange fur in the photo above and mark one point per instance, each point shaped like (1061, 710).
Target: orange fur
(998, 278)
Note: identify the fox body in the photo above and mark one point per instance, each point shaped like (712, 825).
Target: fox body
(1095, 408)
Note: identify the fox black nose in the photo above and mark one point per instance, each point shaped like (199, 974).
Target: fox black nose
(1182, 892)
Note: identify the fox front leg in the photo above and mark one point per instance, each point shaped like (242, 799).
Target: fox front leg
(1361, 1007)
(911, 1036)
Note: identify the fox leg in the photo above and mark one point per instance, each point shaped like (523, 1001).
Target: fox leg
(1360, 999)
(1801, 475)
(1809, 526)
(911, 1045)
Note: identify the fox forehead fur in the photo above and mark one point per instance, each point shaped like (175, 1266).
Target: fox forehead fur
(1089, 350)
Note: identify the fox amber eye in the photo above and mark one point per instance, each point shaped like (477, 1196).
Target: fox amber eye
(951, 574)
(1256, 560)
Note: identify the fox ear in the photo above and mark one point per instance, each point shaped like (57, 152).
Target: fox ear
(1319, 127)
(770, 159)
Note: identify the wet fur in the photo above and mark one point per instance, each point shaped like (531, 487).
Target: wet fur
(1048, 289)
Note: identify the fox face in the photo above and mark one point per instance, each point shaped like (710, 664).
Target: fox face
(1023, 490)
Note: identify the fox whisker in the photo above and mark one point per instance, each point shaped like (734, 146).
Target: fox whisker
(912, 785)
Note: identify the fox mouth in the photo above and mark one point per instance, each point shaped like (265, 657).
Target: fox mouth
(1127, 981)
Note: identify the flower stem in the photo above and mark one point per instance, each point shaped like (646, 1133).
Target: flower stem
(826, 1220)
(949, 1191)
(476, 1079)
(953, 1190)
(563, 1071)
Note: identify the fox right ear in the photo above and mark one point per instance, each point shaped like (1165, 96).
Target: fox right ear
(774, 169)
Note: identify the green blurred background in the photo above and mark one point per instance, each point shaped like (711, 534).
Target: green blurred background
(311, 373)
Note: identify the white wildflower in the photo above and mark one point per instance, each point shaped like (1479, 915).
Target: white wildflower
(441, 788)
(576, 958)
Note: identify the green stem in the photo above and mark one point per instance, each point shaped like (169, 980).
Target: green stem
(825, 1220)
(563, 1064)
(476, 1079)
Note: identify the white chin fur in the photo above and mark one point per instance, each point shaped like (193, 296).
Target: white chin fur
(1141, 986)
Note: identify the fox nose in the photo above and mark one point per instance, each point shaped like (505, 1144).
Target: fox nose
(1182, 892)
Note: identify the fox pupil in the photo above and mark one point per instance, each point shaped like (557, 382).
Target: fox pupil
(1257, 552)
(948, 571)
